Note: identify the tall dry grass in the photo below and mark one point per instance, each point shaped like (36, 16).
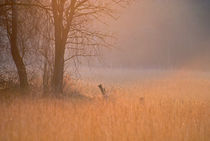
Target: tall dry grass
(163, 110)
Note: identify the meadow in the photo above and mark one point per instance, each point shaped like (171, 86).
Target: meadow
(171, 107)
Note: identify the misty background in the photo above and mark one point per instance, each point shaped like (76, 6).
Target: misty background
(161, 34)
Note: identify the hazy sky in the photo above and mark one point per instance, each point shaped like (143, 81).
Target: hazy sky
(162, 34)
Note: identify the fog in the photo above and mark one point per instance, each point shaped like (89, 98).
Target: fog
(161, 34)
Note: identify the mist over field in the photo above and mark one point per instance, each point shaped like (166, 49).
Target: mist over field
(111, 70)
(162, 34)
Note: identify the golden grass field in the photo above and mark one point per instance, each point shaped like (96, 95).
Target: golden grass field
(174, 108)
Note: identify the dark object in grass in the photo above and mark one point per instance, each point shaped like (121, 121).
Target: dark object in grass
(103, 91)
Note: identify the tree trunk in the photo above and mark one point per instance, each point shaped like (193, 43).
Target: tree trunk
(61, 34)
(58, 69)
(59, 57)
(47, 71)
(46, 76)
(15, 51)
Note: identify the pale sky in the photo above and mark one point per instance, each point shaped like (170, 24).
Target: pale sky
(162, 34)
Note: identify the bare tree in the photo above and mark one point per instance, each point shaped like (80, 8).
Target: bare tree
(19, 30)
(10, 16)
(74, 29)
